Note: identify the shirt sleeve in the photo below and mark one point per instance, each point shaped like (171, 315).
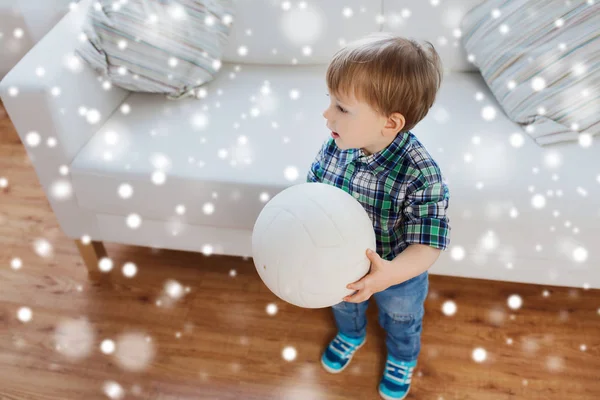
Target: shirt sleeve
(425, 219)
(317, 167)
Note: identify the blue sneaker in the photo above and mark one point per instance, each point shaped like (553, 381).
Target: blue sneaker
(339, 352)
(395, 383)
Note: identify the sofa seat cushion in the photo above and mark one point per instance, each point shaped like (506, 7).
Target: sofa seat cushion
(254, 132)
(224, 155)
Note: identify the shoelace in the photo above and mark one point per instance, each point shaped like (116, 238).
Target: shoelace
(343, 348)
(398, 373)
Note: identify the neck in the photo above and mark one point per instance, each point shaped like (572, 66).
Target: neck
(377, 147)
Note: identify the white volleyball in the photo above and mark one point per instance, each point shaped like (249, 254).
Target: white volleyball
(309, 242)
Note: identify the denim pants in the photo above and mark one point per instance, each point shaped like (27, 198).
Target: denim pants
(401, 311)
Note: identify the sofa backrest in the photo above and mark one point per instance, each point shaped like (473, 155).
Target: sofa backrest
(310, 32)
(437, 21)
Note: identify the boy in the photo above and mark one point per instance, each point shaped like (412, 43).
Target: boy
(380, 87)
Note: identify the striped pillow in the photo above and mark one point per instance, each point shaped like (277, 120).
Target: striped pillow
(169, 47)
(541, 60)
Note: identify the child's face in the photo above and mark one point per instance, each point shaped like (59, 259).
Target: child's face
(356, 125)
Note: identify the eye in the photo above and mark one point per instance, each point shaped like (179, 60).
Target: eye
(338, 107)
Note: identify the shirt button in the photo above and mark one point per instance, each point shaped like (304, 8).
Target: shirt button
(356, 195)
(409, 209)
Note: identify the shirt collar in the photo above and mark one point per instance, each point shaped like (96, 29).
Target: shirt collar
(382, 161)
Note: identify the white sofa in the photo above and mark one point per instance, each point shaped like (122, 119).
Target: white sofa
(225, 154)
(22, 24)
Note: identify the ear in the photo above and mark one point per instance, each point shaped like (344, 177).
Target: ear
(393, 124)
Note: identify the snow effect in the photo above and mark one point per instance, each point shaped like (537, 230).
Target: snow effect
(303, 25)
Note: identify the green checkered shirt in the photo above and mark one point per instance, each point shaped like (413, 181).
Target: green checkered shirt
(401, 188)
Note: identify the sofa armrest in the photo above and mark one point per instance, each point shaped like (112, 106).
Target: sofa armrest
(31, 101)
(36, 108)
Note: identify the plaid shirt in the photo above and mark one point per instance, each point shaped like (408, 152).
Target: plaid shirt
(401, 188)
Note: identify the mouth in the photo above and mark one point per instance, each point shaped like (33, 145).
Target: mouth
(335, 135)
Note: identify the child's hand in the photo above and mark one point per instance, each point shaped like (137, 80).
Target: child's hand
(377, 280)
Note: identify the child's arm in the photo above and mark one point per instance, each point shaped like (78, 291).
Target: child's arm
(413, 261)
(425, 219)
(426, 228)
(315, 172)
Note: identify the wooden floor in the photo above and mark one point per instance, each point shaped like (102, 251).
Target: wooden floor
(217, 341)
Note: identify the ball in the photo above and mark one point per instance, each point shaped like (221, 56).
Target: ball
(309, 242)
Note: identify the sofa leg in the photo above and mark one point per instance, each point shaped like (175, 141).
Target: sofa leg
(91, 254)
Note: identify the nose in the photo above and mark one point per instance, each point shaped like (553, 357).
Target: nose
(325, 113)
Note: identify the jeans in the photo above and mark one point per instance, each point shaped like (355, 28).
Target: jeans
(401, 311)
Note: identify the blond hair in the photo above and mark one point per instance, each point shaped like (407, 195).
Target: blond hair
(388, 72)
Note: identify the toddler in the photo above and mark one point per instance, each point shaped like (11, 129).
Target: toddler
(380, 87)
